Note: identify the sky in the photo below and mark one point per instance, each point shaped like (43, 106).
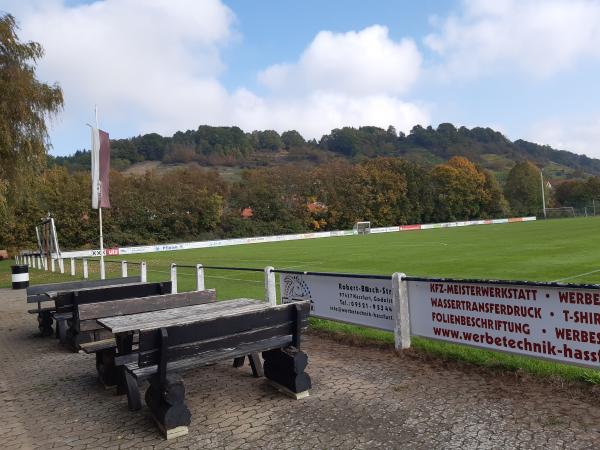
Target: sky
(528, 68)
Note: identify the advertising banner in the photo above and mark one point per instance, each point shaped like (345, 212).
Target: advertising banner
(283, 237)
(561, 323)
(361, 301)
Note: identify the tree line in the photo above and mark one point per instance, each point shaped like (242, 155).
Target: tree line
(191, 203)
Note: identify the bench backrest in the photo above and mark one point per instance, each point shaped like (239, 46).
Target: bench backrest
(38, 293)
(111, 308)
(278, 326)
(66, 300)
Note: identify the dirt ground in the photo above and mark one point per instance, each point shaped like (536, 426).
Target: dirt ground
(362, 397)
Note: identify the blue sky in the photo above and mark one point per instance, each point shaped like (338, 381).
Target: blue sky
(528, 68)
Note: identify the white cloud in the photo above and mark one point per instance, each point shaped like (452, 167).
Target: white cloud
(578, 137)
(366, 62)
(341, 79)
(319, 112)
(539, 37)
(154, 66)
(148, 63)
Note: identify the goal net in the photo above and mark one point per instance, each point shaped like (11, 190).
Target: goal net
(48, 242)
(362, 228)
(565, 211)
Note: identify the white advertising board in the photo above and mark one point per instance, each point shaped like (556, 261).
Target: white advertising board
(361, 301)
(278, 238)
(558, 323)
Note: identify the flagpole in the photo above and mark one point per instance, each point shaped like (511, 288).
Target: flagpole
(99, 187)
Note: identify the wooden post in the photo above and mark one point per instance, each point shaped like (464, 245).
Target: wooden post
(143, 273)
(174, 278)
(73, 267)
(270, 288)
(61, 265)
(52, 264)
(401, 312)
(199, 277)
(123, 269)
(85, 268)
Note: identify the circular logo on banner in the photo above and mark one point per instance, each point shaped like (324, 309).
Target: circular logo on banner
(295, 288)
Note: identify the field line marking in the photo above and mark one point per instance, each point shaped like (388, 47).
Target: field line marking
(577, 276)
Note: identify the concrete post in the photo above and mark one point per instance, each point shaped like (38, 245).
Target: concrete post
(52, 264)
(270, 288)
(401, 312)
(123, 269)
(72, 267)
(174, 278)
(143, 271)
(199, 277)
(85, 268)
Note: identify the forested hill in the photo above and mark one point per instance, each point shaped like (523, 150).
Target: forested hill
(231, 146)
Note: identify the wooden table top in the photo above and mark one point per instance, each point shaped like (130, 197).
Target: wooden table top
(180, 316)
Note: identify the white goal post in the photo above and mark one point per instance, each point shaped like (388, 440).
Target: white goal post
(362, 228)
(565, 211)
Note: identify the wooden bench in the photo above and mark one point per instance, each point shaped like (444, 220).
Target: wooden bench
(79, 331)
(171, 344)
(106, 349)
(39, 294)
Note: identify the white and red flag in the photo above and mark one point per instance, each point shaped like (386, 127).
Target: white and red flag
(100, 168)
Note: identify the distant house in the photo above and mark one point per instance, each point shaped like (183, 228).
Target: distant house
(247, 213)
(316, 207)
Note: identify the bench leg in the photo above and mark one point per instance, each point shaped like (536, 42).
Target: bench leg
(73, 338)
(134, 402)
(124, 346)
(239, 361)
(61, 330)
(45, 323)
(105, 365)
(256, 365)
(167, 405)
(285, 369)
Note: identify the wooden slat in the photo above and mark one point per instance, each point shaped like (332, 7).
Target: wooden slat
(212, 356)
(227, 322)
(109, 293)
(144, 304)
(95, 346)
(192, 349)
(39, 291)
(177, 316)
(64, 299)
(87, 325)
(39, 310)
(62, 316)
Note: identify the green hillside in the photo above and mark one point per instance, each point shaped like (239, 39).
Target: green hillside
(232, 147)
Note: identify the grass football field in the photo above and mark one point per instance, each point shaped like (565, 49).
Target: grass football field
(565, 250)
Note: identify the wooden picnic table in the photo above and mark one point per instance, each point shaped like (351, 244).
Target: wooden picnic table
(178, 339)
(124, 328)
(179, 316)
